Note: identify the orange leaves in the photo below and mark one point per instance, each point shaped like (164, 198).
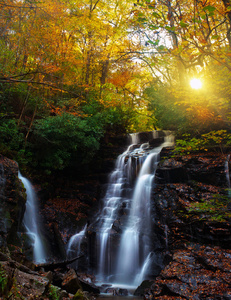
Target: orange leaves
(120, 79)
(58, 206)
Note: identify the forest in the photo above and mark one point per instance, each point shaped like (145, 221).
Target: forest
(96, 216)
(73, 72)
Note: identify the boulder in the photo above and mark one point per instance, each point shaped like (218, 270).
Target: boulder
(89, 287)
(71, 282)
(140, 291)
(20, 282)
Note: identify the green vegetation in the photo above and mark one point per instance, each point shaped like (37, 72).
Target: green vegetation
(218, 140)
(97, 69)
(80, 295)
(214, 209)
(3, 281)
(53, 292)
(8, 285)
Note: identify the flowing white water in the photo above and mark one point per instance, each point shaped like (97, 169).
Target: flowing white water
(30, 221)
(227, 173)
(132, 256)
(122, 232)
(73, 246)
(111, 205)
(128, 264)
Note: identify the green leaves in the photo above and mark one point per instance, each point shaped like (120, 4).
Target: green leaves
(156, 43)
(183, 24)
(61, 137)
(214, 209)
(10, 135)
(210, 140)
(210, 9)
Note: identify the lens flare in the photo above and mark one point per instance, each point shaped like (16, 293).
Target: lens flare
(196, 83)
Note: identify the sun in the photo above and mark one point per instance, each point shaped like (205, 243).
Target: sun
(196, 83)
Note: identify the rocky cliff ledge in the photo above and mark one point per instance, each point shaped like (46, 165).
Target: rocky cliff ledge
(192, 208)
(12, 203)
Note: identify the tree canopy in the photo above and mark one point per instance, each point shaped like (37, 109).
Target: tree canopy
(72, 71)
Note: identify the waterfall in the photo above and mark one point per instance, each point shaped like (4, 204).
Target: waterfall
(30, 221)
(227, 174)
(74, 244)
(111, 204)
(227, 170)
(131, 256)
(119, 240)
(125, 261)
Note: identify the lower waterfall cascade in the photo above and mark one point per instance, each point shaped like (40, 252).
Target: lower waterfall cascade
(30, 221)
(122, 229)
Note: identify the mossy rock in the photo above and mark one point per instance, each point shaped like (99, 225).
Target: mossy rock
(80, 295)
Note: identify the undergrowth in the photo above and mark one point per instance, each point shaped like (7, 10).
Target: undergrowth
(215, 209)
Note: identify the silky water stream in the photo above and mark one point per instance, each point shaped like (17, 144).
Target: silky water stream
(122, 243)
(31, 223)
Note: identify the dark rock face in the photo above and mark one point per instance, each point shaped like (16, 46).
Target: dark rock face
(192, 224)
(173, 201)
(71, 198)
(195, 272)
(12, 203)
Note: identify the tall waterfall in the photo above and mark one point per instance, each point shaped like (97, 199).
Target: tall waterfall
(127, 210)
(30, 221)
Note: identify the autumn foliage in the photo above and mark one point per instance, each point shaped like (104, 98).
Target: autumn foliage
(119, 66)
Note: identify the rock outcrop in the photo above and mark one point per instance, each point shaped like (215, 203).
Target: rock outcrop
(195, 272)
(191, 206)
(12, 203)
(21, 282)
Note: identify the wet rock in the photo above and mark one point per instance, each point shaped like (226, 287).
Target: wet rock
(80, 295)
(19, 282)
(123, 292)
(116, 291)
(12, 203)
(193, 268)
(140, 291)
(57, 277)
(89, 287)
(206, 168)
(71, 282)
(112, 291)
(49, 276)
(156, 142)
(196, 272)
(104, 287)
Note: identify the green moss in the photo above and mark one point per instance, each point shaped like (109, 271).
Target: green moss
(213, 209)
(79, 296)
(53, 292)
(8, 286)
(3, 281)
